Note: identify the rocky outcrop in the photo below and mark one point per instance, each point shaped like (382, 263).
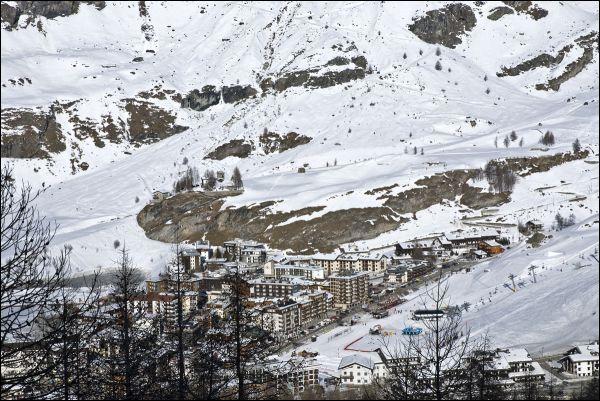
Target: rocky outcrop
(527, 7)
(211, 96)
(444, 26)
(542, 60)
(235, 147)
(201, 101)
(272, 142)
(12, 11)
(149, 123)
(499, 12)
(237, 93)
(317, 78)
(440, 187)
(586, 42)
(38, 133)
(35, 133)
(200, 215)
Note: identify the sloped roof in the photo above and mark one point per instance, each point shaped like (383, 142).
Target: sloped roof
(356, 359)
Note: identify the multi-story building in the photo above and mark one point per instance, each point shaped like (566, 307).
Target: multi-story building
(327, 261)
(282, 318)
(272, 288)
(309, 272)
(249, 252)
(581, 360)
(365, 262)
(313, 306)
(349, 288)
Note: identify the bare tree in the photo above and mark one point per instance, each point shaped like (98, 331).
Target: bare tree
(210, 180)
(135, 340)
(428, 365)
(236, 179)
(29, 283)
(74, 316)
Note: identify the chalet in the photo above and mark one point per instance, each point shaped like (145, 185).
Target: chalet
(412, 248)
(491, 247)
(406, 271)
(534, 225)
(470, 239)
(478, 254)
(581, 360)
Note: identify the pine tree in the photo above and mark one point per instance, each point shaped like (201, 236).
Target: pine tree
(576, 146)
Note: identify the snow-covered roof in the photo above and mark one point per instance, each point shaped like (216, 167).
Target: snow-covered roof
(325, 256)
(515, 355)
(190, 252)
(356, 360)
(535, 371)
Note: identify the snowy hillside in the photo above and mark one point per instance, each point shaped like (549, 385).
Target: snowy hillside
(93, 109)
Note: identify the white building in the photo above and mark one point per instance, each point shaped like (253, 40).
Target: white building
(356, 370)
(581, 360)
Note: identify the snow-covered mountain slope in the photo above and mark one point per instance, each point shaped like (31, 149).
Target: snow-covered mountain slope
(92, 106)
(98, 107)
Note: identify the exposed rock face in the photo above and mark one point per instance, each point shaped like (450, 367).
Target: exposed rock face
(235, 147)
(149, 123)
(34, 133)
(211, 96)
(39, 134)
(272, 142)
(444, 26)
(201, 101)
(11, 11)
(499, 12)
(587, 42)
(542, 60)
(237, 93)
(197, 214)
(446, 186)
(526, 7)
